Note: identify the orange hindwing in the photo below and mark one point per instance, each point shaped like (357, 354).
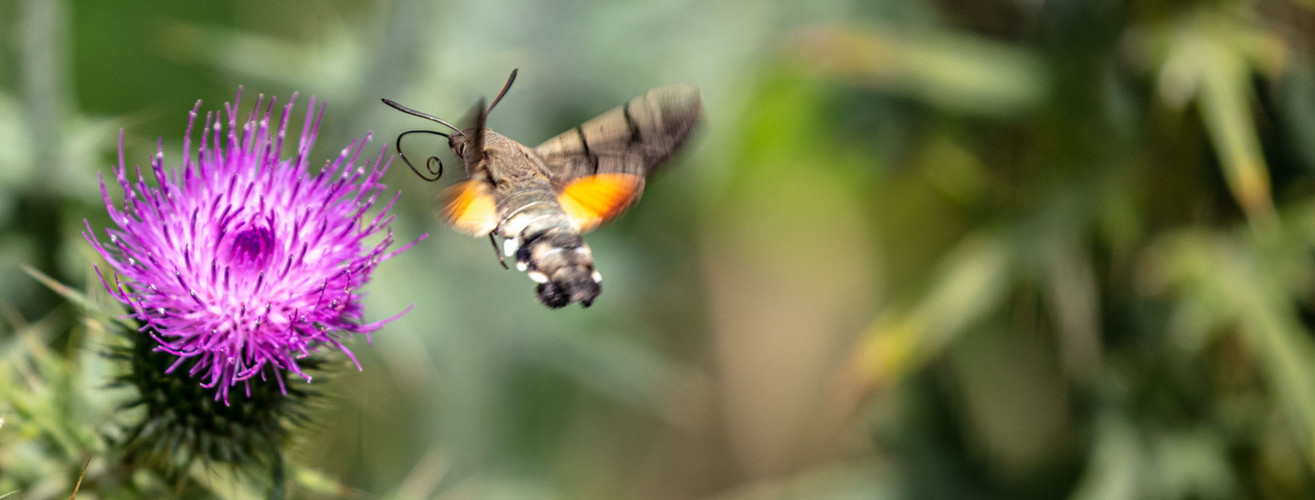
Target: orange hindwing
(469, 207)
(594, 199)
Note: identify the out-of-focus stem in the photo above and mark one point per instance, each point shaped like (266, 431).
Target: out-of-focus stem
(42, 76)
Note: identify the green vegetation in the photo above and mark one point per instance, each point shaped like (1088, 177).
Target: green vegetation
(919, 249)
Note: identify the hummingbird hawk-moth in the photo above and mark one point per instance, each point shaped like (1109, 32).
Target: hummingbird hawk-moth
(541, 200)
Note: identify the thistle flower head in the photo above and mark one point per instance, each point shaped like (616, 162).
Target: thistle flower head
(239, 261)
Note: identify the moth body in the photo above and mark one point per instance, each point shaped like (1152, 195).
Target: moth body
(542, 200)
(545, 241)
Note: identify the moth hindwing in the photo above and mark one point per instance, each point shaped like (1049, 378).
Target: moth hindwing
(541, 200)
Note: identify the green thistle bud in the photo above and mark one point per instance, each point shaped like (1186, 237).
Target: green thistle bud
(183, 421)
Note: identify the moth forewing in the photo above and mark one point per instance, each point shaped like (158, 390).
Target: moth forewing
(633, 138)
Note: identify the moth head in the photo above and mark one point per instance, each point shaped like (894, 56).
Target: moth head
(468, 145)
(433, 164)
(459, 141)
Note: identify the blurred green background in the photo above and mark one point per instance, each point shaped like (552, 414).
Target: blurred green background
(919, 249)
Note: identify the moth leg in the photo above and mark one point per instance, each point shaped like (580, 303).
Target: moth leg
(497, 251)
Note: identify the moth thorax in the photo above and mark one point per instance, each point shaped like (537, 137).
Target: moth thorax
(562, 264)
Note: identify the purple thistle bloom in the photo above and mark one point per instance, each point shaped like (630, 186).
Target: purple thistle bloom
(243, 261)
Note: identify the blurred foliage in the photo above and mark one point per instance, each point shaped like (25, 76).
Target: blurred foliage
(920, 249)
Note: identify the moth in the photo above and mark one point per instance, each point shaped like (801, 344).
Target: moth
(541, 200)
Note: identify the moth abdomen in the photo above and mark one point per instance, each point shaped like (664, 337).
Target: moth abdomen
(560, 261)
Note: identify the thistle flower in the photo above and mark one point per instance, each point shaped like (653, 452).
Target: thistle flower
(240, 262)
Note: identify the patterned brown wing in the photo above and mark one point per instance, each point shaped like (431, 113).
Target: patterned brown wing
(633, 138)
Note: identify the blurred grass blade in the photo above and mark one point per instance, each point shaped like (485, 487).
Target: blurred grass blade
(625, 372)
(44, 83)
(1238, 282)
(315, 481)
(953, 71)
(421, 482)
(74, 296)
(1210, 57)
(81, 475)
(78, 298)
(1225, 93)
(1072, 288)
(1116, 462)
(973, 283)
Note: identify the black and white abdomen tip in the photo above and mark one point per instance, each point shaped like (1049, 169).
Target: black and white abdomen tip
(562, 265)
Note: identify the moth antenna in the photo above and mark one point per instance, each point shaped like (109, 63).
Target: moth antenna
(503, 92)
(418, 114)
(434, 174)
(498, 251)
